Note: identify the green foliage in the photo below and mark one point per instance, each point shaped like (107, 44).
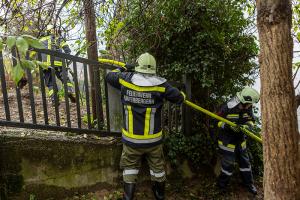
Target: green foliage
(206, 40)
(10, 41)
(32, 197)
(256, 155)
(33, 42)
(296, 19)
(1, 44)
(17, 73)
(85, 119)
(27, 64)
(22, 44)
(198, 149)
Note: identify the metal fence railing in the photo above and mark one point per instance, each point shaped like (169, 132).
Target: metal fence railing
(30, 106)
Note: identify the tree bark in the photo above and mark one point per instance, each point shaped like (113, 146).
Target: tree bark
(279, 119)
(92, 52)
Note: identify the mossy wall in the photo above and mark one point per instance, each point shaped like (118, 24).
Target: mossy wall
(56, 167)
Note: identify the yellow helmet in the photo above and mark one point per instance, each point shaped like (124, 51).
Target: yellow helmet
(146, 64)
(248, 95)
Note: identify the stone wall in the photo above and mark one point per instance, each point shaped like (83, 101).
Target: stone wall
(56, 167)
(51, 165)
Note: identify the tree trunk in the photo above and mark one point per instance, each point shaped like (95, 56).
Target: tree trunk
(279, 119)
(92, 52)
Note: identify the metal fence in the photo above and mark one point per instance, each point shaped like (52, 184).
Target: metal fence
(30, 107)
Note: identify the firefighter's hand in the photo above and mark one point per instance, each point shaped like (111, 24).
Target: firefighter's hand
(129, 67)
(245, 126)
(235, 128)
(248, 127)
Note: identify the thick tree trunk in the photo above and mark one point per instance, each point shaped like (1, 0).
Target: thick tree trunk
(92, 52)
(280, 134)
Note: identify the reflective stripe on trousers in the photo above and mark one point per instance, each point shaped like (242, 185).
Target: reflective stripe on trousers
(231, 147)
(130, 175)
(226, 172)
(130, 172)
(245, 169)
(157, 174)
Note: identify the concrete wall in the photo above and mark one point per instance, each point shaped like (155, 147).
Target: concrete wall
(56, 167)
(53, 165)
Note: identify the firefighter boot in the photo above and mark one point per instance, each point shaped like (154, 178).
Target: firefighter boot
(158, 189)
(222, 182)
(22, 83)
(129, 189)
(252, 189)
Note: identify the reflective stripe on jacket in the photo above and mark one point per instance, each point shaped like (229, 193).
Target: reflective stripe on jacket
(56, 44)
(142, 106)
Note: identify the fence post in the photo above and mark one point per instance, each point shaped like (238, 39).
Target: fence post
(186, 111)
(114, 108)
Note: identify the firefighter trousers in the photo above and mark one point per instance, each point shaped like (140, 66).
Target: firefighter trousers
(131, 162)
(229, 156)
(49, 80)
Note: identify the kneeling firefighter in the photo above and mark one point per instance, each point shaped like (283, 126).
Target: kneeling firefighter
(142, 96)
(232, 141)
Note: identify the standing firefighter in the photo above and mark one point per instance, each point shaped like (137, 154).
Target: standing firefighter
(142, 96)
(56, 43)
(232, 142)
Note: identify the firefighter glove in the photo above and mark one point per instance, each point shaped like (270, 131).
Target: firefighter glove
(235, 128)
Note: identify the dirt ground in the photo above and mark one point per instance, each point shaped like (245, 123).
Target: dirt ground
(14, 112)
(200, 188)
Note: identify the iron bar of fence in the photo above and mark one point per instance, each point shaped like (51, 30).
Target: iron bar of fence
(77, 92)
(106, 101)
(58, 128)
(67, 56)
(3, 86)
(31, 94)
(87, 97)
(99, 110)
(66, 93)
(18, 91)
(42, 84)
(55, 89)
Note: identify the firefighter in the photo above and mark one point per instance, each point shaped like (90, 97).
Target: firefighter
(54, 41)
(232, 142)
(142, 96)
